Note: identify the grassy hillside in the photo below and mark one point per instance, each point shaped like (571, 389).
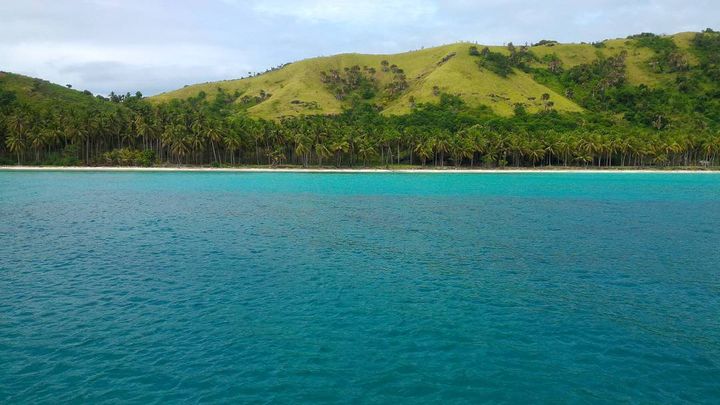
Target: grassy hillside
(43, 94)
(298, 88)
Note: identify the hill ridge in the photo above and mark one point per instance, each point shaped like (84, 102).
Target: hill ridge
(296, 88)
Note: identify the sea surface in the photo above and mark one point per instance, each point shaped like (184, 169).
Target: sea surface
(361, 288)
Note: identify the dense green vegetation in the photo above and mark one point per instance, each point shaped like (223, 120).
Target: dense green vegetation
(621, 123)
(503, 65)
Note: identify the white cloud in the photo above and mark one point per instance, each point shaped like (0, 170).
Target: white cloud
(348, 11)
(148, 55)
(148, 68)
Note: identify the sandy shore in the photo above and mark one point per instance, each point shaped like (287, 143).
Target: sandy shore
(329, 170)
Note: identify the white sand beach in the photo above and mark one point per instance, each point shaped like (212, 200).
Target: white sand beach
(447, 170)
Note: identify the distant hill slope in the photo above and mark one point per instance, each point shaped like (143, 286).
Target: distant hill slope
(302, 88)
(43, 94)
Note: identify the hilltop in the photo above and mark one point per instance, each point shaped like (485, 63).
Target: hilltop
(307, 87)
(43, 94)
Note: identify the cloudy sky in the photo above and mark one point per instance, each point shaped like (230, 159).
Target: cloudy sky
(158, 45)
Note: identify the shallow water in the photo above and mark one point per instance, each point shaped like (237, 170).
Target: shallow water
(291, 287)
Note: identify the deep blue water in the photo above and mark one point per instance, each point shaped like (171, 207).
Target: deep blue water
(305, 288)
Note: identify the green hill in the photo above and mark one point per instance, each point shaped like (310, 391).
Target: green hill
(298, 88)
(647, 100)
(42, 93)
(55, 121)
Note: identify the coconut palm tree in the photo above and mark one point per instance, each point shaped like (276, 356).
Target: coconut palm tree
(232, 142)
(16, 141)
(535, 152)
(16, 144)
(367, 150)
(441, 145)
(583, 158)
(517, 147)
(338, 147)
(214, 134)
(301, 149)
(461, 148)
(322, 152)
(424, 151)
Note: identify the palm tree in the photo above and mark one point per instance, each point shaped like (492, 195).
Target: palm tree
(550, 150)
(214, 134)
(566, 144)
(301, 149)
(441, 145)
(232, 141)
(197, 144)
(179, 141)
(141, 128)
(582, 157)
(37, 142)
(411, 137)
(535, 152)
(276, 156)
(660, 159)
(475, 141)
(622, 146)
(587, 147)
(51, 137)
(258, 133)
(367, 150)
(711, 148)
(424, 151)
(15, 144)
(322, 152)
(338, 147)
(460, 149)
(676, 149)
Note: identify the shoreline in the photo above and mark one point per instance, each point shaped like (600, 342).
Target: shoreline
(348, 170)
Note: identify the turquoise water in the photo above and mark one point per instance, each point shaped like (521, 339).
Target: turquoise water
(305, 288)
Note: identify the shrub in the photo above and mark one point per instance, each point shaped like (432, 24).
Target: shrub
(129, 157)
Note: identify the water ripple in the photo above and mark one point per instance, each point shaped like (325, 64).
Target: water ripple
(136, 287)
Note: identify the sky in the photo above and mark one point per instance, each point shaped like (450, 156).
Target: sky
(159, 45)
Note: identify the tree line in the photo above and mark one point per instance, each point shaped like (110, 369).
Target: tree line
(202, 132)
